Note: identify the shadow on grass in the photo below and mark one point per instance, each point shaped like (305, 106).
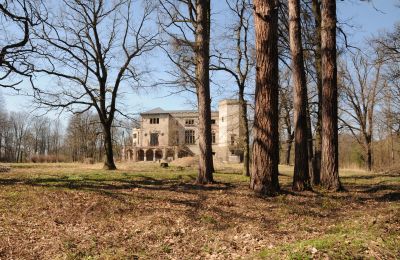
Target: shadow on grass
(143, 182)
(370, 176)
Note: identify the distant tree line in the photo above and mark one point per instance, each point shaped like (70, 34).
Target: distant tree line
(28, 138)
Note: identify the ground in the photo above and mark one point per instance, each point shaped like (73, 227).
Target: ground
(75, 211)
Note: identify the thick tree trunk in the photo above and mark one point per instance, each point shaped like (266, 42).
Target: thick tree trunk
(265, 156)
(109, 160)
(206, 168)
(318, 67)
(245, 125)
(301, 178)
(329, 155)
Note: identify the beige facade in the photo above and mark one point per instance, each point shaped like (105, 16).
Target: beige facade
(171, 134)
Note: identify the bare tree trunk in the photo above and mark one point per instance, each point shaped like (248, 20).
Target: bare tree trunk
(108, 147)
(264, 176)
(203, 91)
(369, 157)
(329, 160)
(245, 125)
(311, 159)
(288, 148)
(301, 178)
(318, 67)
(1, 144)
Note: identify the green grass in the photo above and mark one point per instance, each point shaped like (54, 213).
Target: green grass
(345, 240)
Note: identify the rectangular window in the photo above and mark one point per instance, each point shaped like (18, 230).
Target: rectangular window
(222, 119)
(154, 120)
(134, 136)
(189, 137)
(189, 122)
(213, 121)
(232, 139)
(154, 139)
(213, 137)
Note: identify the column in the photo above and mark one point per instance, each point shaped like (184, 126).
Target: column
(176, 153)
(134, 154)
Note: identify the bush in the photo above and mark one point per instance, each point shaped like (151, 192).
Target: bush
(47, 159)
(88, 160)
(4, 168)
(186, 162)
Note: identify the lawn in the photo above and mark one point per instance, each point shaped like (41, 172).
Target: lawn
(76, 211)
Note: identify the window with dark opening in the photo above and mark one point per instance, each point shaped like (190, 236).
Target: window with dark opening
(189, 122)
(154, 120)
(154, 139)
(213, 137)
(232, 139)
(189, 137)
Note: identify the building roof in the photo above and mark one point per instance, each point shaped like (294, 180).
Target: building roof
(159, 110)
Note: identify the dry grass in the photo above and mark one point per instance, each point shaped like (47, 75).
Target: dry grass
(77, 211)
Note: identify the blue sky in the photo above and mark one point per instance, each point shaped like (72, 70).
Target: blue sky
(367, 19)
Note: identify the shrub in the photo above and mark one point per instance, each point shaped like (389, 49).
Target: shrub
(4, 168)
(47, 159)
(88, 160)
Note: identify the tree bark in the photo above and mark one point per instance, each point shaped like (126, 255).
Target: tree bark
(108, 147)
(301, 179)
(265, 157)
(311, 159)
(206, 168)
(329, 160)
(289, 148)
(245, 125)
(369, 157)
(316, 179)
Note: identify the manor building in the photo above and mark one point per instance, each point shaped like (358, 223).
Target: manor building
(170, 134)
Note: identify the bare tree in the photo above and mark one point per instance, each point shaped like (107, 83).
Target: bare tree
(389, 44)
(3, 125)
(238, 63)
(329, 161)
(265, 157)
(191, 19)
(91, 46)
(286, 112)
(19, 124)
(360, 91)
(316, 9)
(40, 127)
(84, 136)
(301, 178)
(17, 18)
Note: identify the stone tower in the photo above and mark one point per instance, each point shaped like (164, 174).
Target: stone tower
(230, 131)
